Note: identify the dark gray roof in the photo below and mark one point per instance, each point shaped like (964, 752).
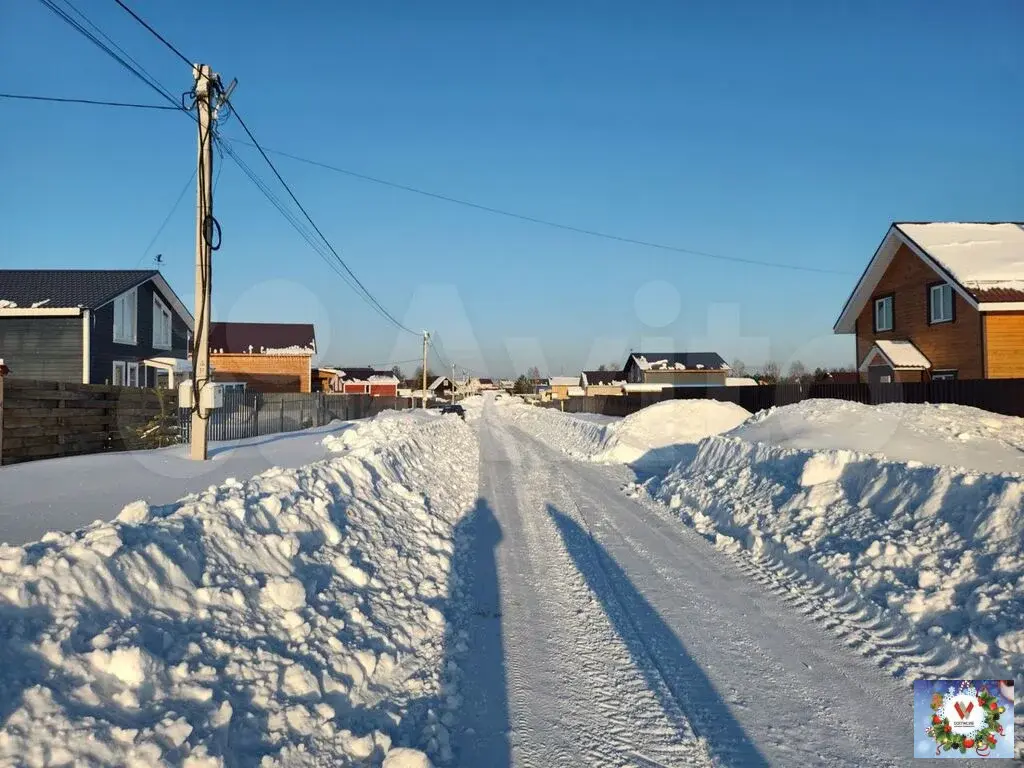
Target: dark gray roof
(604, 377)
(66, 288)
(689, 359)
(237, 338)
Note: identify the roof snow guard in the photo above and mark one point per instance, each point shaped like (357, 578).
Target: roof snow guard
(983, 262)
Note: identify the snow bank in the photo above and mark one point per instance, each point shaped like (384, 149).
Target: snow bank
(651, 436)
(942, 548)
(950, 435)
(292, 619)
(385, 426)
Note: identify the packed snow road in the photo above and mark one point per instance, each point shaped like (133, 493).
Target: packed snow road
(603, 634)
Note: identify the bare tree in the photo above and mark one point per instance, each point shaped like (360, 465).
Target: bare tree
(533, 373)
(739, 368)
(770, 372)
(397, 370)
(602, 367)
(797, 370)
(418, 376)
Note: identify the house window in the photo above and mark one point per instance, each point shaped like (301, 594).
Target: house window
(125, 317)
(940, 303)
(885, 378)
(944, 375)
(161, 325)
(132, 375)
(119, 373)
(883, 314)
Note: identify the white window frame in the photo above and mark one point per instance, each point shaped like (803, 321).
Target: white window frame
(126, 306)
(132, 372)
(885, 378)
(944, 292)
(160, 311)
(119, 365)
(944, 375)
(884, 301)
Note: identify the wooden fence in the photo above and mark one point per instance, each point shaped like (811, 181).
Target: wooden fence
(47, 419)
(1004, 396)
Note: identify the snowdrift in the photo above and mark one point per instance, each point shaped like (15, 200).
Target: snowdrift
(291, 619)
(652, 436)
(941, 547)
(385, 426)
(942, 434)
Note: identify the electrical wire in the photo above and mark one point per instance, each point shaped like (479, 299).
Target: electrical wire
(61, 100)
(363, 291)
(156, 34)
(549, 222)
(167, 218)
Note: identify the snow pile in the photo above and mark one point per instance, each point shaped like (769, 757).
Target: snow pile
(655, 434)
(291, 619)
(294, 349)
(8, 304)
(385, 426)
(939, 547)
(944, 434)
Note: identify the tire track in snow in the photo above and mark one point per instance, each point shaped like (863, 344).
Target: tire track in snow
(576, 695)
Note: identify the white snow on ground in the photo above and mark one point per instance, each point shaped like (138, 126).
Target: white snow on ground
(381, 428)
(649, 436)
(291, 619)
(952, 435)
(595, 418)
(67, 493)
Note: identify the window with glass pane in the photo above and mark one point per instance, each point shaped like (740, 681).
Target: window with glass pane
(125, 313)
(161, 325)
(133, 375)
(119, 373)
(883, 314)
(941, 303)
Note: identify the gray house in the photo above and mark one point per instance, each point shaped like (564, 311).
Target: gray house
(120, 326)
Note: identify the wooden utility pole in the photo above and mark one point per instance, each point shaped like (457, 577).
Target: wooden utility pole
(204, 262)
(426, 340)
(453, 382)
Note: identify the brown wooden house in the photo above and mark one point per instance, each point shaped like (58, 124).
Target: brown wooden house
(266, 357)
(940, 301)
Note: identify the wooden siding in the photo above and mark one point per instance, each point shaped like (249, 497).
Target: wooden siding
(264, 373)
(42, 347)
(1004, 345)
(104, 351)
(956, 345)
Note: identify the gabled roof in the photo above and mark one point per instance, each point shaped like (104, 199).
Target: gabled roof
(593, 378)
(350, 374)
(262, 338)
(679, 361)
(439, 381)
(78, 288)
(902, 355)
(982, 261)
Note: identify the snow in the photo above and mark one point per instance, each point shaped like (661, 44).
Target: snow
(564, 381)
(67, 493)
(943, 434)
(290, 619)
(902, 354)
(979, 256)
(293, 349)
(8, 304)
(740, 381)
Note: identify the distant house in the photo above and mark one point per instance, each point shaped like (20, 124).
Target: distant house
(651, 372)
(266, 357)
(940, 301)
(327, 379)
(602, 382)
(507, 384)
(488, 385)
(441, 387)
(125, 327)
(560, 386)
(367, 381)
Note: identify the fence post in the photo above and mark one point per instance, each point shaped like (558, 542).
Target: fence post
(282, 417)
(302, 412)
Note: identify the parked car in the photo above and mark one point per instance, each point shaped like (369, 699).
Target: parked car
(454, 408)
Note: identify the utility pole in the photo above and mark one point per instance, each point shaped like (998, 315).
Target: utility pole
(453, 382)
(426, 340)
(204, 84)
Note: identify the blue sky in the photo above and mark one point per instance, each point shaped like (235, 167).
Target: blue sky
(790, 132)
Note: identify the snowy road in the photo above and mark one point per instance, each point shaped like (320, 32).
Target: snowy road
(622, 638)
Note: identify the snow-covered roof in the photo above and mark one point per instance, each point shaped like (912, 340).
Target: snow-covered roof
(175, 364)
(740, 381)
(294, 349)
(900, 354)
(576, 392)
(679, 361)
(437, 382)
(984, 262)
(564, 381)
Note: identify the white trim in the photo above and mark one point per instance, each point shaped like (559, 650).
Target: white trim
(1005, 306)
(892, 315)
(124, 373)
(863, 367)
(941, 304)
(129, 367)
(159, 307)
(86, 346)
(169, 294)
(40, 312)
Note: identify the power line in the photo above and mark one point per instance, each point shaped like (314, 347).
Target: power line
(366, 295)
(549, 222)
(61, 100)
(170, 213)
(156, 34)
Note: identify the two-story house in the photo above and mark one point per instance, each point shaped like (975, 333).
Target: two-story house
(940, 301)
(125, 327)
(654, 371)
(264, 357)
